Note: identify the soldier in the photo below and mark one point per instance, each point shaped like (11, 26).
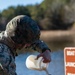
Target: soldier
(20, 32)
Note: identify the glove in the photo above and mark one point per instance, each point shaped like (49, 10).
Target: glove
(46, 56)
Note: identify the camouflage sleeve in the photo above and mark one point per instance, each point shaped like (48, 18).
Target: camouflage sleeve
(40, 46)
(7, 62)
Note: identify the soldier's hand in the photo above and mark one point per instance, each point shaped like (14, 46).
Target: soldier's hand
(46, 56)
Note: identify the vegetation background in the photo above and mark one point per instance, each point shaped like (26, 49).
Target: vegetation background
(56, 19)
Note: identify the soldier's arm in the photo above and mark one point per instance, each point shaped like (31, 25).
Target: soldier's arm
(40, 46)
(44, 50)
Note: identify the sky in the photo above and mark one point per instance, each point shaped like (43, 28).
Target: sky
(4, 4)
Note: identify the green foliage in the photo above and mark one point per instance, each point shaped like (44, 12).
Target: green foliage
(21, 10)
(50, 14)
(14, 11)
(37, 14)
(0, 15)
(8, 13)
(46, 3)
(57, 17)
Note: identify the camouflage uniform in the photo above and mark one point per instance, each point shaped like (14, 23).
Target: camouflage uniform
(20, 30)
(7, 64)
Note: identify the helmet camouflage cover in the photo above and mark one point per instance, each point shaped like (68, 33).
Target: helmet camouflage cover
(23, 29)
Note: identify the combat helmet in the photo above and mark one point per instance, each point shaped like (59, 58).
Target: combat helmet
(23, 29)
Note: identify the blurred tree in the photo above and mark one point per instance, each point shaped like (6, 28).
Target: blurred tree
(21, 10)
(50, 14)
(14, 11)
(56, 16)
(0, 15)
(37, 13)
(9, 13)
(2, 25)
(46, 3)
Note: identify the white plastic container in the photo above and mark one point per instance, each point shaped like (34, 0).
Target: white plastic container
(36, 64)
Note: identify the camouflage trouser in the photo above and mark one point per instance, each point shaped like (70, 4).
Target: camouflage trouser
(7, 64)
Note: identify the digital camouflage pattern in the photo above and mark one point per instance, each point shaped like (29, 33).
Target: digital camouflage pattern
(21, 29)
(7, 65)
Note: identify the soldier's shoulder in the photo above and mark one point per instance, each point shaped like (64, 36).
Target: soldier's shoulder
(2, 45)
